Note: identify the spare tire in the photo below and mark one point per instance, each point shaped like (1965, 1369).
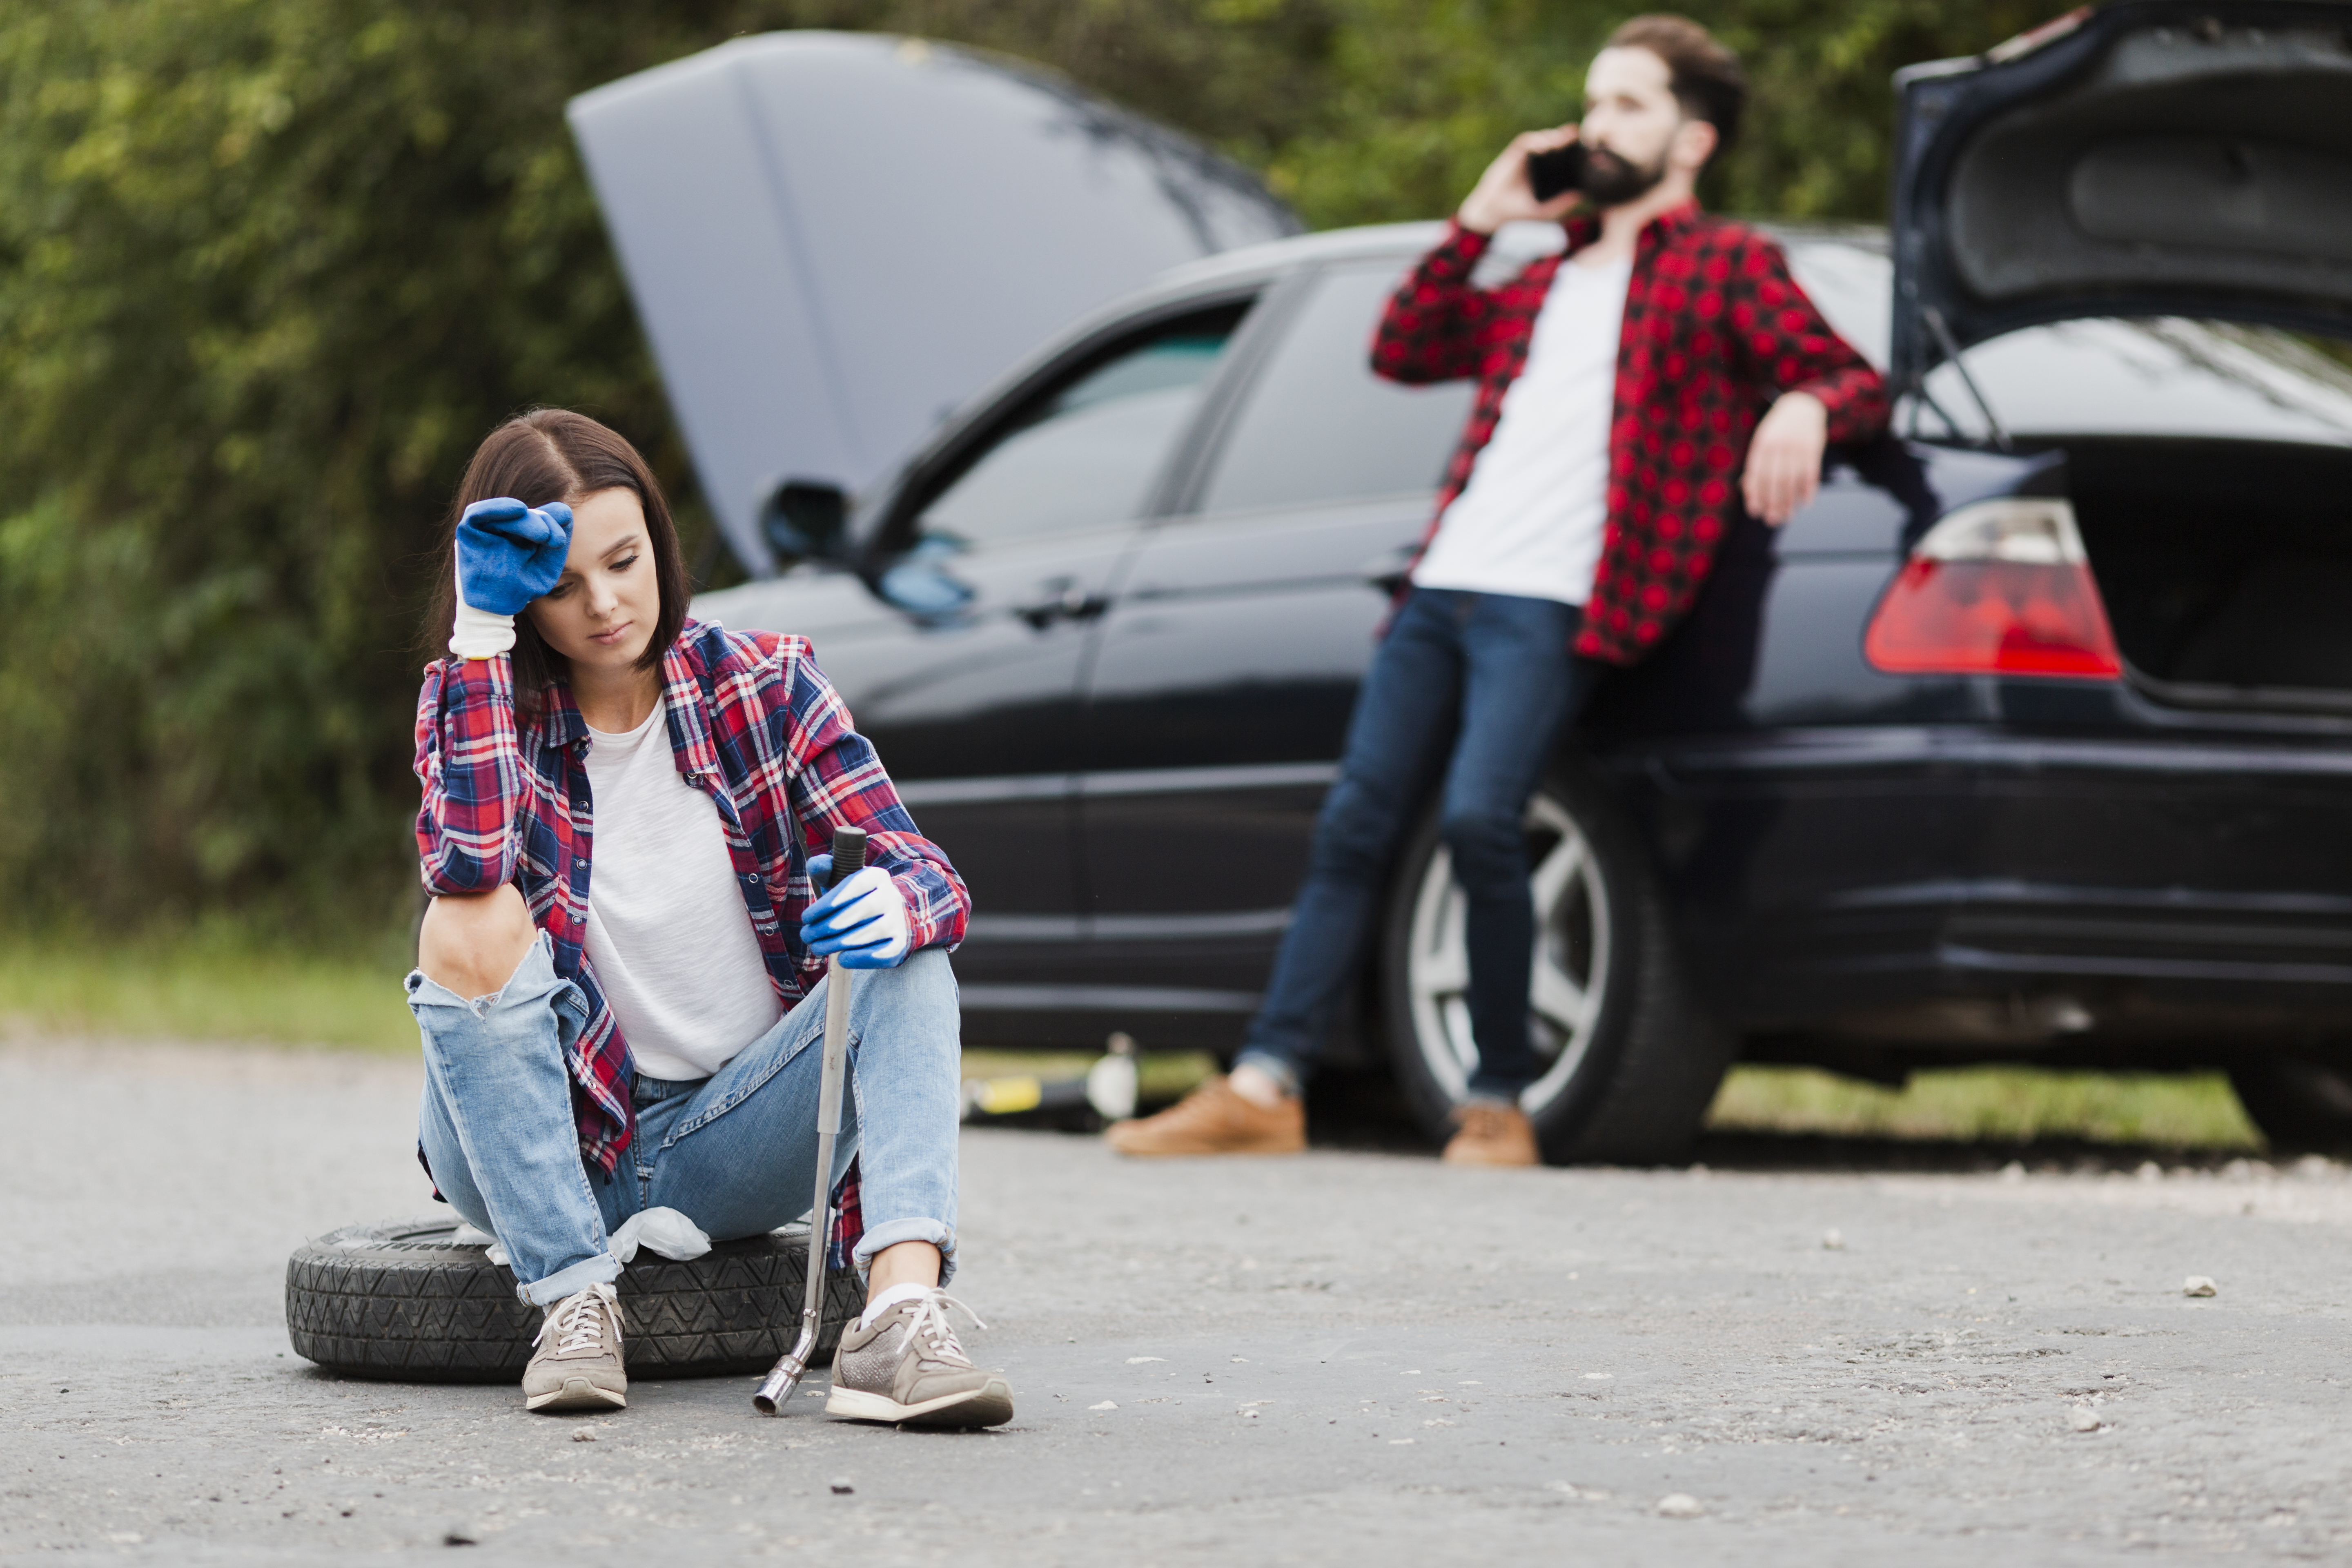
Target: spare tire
(405, 1300)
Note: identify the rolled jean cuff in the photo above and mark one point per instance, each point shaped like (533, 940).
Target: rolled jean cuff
(601, 1270)
(936, 1232)
(1280, 1069)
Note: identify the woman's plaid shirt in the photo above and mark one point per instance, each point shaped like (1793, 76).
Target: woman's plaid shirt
(1714, 329)
(755, 725)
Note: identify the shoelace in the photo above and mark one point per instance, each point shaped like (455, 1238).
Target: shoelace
(932, 1325)
(579, 1320)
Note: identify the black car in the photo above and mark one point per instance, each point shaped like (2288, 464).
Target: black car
(2030, 740)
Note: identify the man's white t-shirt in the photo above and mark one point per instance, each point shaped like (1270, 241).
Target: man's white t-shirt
(1530, 520)
(668, 930)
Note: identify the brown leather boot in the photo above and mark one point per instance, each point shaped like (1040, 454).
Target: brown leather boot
(1215, 1119)
(1488, 1132)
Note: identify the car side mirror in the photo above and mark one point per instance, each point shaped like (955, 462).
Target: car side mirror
(806, 520)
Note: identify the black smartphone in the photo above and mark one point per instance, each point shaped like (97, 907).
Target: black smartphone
(1556, 172)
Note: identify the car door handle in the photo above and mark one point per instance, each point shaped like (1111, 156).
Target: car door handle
(1068, 601)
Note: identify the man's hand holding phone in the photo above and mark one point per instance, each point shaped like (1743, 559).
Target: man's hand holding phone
(1506, 195)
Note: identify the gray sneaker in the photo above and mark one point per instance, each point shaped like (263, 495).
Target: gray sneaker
(906, 1366)
(577, 1365)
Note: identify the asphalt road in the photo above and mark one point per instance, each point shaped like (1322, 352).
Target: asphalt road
(1353, 1356)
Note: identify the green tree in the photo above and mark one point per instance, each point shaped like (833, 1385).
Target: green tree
(1415, 97)
(269, 269)
(267, 272)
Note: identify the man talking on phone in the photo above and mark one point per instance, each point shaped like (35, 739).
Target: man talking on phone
(1635, 394)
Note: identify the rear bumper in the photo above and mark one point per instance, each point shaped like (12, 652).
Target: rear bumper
(1972, 887)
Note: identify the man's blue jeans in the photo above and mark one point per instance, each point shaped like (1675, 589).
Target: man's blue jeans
(735, 1152)
(1490, 675)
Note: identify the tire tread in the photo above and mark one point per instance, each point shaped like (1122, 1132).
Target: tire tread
(369, 1302)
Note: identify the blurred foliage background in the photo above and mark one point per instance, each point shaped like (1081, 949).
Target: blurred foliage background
(269, 269)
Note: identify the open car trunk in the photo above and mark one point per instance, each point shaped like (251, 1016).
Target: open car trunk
(2226, 566)
(2150, 158)
(2158, 159)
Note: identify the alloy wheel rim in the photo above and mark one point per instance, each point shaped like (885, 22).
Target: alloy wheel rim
(1571, 977)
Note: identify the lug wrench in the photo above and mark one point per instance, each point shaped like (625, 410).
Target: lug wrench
(848, 857)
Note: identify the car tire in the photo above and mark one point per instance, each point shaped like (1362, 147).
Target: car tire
(2299, 1103)
(405, 1300)
(1633, 1058)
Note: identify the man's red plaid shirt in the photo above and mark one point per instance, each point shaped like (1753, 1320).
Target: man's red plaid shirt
(1714, 329)
(755, 725)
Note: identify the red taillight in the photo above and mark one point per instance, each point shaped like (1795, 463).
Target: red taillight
(1998, 588)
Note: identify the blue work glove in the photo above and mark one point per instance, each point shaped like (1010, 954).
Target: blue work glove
(508, 556)
(864, 919)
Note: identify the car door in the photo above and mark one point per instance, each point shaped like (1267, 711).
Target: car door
(995, 563)
(1220, 692)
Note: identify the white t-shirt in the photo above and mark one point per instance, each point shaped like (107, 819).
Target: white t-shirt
(1530, 520)
(667, 930)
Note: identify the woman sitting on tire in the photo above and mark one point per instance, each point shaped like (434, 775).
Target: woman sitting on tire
(645, 1037)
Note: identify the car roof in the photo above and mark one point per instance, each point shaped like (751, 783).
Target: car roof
(2048, 383)
(1271, 257)
(1380, 241)
(1214, 279)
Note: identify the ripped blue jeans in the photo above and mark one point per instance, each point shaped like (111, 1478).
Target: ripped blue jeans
(735, 1152)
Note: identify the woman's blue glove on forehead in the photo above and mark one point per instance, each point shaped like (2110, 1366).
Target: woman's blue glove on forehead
(509, 554)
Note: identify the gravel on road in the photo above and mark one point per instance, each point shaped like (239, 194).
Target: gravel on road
(1355, 1355)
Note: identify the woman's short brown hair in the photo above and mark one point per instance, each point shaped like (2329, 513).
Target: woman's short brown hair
(1706, 78)
(554, 455)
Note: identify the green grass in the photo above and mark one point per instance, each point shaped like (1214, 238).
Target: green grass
(1161, 1076)
(227, 986)
(222, 985)
(205, 986)
(2188, 1111)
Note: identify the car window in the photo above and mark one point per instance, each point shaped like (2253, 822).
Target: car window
(2098, 375)
(1086, 452)
(1853, 285)
(1320, 427)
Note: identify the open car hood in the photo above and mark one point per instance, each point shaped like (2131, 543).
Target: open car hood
(834, 238)
(2153, 158)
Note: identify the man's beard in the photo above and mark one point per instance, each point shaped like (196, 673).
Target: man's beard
(1611, 181)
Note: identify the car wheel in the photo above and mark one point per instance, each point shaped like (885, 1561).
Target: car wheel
(1631, 1058)
(406, 1301)
(2298, 1103)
